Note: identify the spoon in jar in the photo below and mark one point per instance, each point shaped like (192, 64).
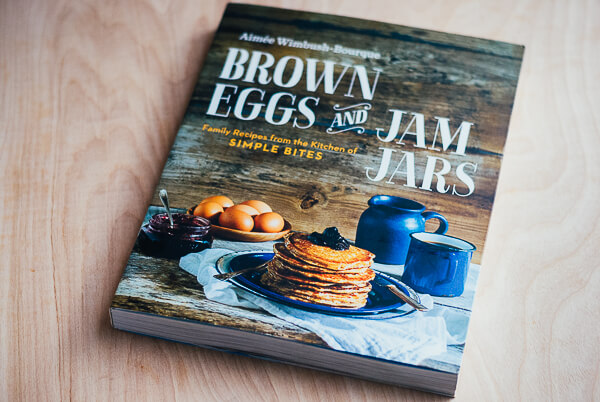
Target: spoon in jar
(164, 198)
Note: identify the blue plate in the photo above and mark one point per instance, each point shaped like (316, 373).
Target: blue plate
(380, 299)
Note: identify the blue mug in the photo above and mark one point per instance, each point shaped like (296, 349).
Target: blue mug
(437, 264)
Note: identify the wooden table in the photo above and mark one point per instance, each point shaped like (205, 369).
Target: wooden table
(92, 94)
(159, 286)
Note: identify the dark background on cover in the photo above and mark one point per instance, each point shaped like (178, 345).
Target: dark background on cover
(437, 74)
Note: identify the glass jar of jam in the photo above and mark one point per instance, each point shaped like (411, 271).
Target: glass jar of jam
(188, 234)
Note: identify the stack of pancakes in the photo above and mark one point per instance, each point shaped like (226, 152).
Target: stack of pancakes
(304, 271)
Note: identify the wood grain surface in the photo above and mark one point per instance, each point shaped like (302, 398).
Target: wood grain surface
(431, 73)
(157, 286)
(91, 96)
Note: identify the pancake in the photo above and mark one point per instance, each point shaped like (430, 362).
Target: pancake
(283, 254)
(332, 303)
(281, 282)
(302, 248)
(290, 280)
(356, 275)
(318, 274)
(281, 268)
(276, 269)
(353, 300)
(333, 287)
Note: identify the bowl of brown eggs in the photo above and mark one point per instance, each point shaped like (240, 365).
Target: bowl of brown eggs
(251, 220)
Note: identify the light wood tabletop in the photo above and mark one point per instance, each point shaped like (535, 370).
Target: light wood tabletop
(92, 93)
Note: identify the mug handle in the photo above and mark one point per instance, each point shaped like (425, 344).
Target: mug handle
(443, 228)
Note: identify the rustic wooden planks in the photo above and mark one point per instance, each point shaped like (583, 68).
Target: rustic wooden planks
(92, 95)
(436, 74)
(159, 286)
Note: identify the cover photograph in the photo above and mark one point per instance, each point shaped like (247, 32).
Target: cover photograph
(327, 197)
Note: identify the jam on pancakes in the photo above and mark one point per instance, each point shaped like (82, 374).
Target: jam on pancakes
(331, 238)
(188, 234)
(319, 274)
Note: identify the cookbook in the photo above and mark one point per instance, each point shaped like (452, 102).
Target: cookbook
(327, 197)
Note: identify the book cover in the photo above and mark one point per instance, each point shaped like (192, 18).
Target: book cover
(350, 166)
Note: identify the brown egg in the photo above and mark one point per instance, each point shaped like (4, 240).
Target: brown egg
(269, 222)
(219, 199)
(245, 208)
(260, 206)
(208, 209)
(236, 219)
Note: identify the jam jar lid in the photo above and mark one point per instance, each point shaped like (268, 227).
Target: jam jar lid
(183, 224)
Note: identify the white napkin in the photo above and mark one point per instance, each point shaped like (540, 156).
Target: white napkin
(409, 339)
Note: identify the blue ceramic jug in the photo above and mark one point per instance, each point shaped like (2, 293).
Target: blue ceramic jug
(385, 227)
